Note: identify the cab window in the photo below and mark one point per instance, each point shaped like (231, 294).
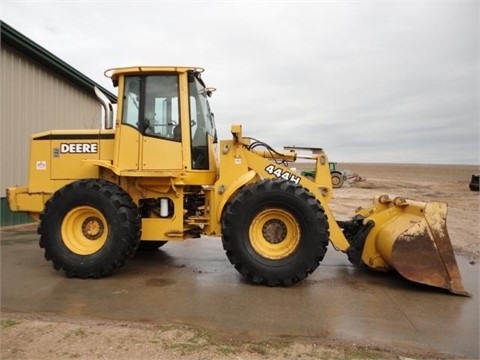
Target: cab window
(131, 101)
(151, 105)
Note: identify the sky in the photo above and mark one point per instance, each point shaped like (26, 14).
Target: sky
(368, 81)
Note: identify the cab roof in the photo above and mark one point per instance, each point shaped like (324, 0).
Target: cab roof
(114, 73)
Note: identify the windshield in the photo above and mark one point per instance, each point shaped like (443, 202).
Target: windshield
(201, 122)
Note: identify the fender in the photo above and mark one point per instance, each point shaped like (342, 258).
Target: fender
(232, 188)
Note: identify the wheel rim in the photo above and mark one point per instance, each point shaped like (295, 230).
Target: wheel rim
(274, 234)
(335, 180)
(84, 230)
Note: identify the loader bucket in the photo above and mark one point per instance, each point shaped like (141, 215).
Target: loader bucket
(412, 238)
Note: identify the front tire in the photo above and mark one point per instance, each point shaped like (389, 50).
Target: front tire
(89, 228)
(275, 232)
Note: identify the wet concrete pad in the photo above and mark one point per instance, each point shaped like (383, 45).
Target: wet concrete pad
(193, 283)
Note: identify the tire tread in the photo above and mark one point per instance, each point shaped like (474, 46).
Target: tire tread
(128, 234)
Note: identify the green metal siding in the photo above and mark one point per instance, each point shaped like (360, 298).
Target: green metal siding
(8, 218)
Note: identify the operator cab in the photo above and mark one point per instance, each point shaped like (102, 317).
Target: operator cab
(168, 111)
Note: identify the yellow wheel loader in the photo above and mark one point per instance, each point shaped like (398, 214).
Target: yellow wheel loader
(159, 174)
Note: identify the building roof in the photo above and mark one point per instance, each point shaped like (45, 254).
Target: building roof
(31, 49)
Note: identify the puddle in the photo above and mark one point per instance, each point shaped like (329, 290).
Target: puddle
(159, 282)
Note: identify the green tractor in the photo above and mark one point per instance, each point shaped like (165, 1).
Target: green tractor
(338, 176)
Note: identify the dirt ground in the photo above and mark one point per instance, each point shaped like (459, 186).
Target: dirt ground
(37, 336)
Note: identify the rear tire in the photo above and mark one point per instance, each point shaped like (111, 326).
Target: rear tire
(89, 228)
(337, 180)
(275, 232)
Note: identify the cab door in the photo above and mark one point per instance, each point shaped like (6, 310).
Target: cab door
(162, 135)
(149, 136)
(127, 133)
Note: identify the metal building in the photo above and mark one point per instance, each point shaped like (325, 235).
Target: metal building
(39, 92)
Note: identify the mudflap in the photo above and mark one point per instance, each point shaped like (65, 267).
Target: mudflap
(412, 238)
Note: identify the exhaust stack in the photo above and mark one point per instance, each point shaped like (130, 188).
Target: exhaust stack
(108, 108)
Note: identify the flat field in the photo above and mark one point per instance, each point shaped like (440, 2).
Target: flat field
(443, 183)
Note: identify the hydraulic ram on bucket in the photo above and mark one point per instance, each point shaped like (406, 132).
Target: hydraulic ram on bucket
(412, 238)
